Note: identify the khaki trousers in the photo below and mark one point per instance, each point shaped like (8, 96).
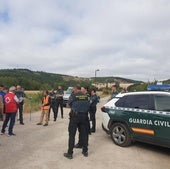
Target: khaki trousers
(44, 112)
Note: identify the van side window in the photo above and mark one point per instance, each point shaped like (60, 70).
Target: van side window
(121, 102)
(134, 101)
(162, 103)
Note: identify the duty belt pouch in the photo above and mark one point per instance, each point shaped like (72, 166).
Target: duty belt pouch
(73, 113)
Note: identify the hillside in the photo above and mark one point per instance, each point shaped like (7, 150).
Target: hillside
(115, 79)
(35, 80)
(166, 81)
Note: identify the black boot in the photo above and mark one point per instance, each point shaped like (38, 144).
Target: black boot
(67, 155)
(78, 146)
(85, 154)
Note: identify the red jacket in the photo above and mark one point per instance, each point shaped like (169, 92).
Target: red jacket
(11, 105)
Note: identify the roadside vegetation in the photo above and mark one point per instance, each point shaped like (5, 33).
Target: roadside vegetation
(33, 101)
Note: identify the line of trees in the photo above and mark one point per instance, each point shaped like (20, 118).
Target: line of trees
(31, 80)
(30, 84)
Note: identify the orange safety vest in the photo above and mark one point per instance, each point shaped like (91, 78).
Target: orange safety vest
(45, 101)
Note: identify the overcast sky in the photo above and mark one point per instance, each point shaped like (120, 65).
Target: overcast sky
(125, 38)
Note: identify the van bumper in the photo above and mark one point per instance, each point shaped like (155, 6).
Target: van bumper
(106, 130)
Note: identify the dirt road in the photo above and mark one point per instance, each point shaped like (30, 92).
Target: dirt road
(38, 147)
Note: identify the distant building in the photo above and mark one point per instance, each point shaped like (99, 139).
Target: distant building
(104, 85)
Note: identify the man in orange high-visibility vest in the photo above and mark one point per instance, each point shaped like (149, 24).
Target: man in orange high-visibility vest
(45, 109)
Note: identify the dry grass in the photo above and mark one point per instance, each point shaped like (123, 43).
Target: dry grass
(32, 102)
(32, 91)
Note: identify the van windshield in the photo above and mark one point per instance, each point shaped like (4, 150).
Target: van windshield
(69, 91)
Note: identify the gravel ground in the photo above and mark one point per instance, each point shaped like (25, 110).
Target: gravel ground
(39, 147)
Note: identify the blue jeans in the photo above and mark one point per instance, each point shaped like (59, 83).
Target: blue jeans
(9, 117)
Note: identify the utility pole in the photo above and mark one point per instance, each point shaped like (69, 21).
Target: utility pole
(95, 76)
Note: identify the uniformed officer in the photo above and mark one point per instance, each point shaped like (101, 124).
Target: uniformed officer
(59, 100)
(21, 96)
(78, 117)
(79, 144)
(93, 108)
(114, 91)
(53, 104)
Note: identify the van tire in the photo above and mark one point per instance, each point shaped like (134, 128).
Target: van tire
(120, 134)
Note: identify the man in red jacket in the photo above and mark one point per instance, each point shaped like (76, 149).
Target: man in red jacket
(11, 106)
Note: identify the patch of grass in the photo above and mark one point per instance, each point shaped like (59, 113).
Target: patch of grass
(33, 101)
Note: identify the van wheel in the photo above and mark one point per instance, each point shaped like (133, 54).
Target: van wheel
(120, 134)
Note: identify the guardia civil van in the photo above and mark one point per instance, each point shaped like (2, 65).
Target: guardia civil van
(67, 95)
(138, 116)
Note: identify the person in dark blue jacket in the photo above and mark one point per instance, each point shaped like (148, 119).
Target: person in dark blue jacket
(59, 101)
(2, 95)
(21, 96)
(93, 108)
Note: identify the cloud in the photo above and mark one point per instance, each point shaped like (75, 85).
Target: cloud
(121, 38)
